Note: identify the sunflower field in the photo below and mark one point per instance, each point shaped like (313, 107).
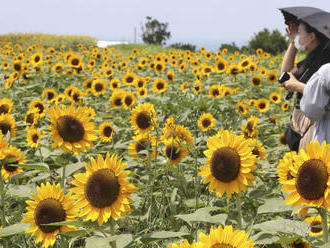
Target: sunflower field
(111, 147)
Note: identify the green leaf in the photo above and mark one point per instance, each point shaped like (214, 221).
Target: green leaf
(283, 226)
(274, 205)
(13, 229)
(164, 235)
(264, 238)
(37, 166)
(203, 215)
(122, 241)
(71, 168)
(23, 191)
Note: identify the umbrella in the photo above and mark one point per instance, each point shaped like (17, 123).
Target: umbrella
(293, 14)
(316, 18)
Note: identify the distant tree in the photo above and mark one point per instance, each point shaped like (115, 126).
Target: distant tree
(230, 47)
(183, 46)
(271, 42)
(155, 32)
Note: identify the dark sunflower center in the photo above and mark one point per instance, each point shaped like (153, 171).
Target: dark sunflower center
(312, 178)
(159, 67)
(140, 84)
(35, 138)
(160, 86)
(141, 145)
(221, 66)
(128, 100)
(4, 127)
(48, 211)
(75, 62)
(17, 67)
(275, 98)
(316, 227)
(255, 151)
(107, 131)
(129, 79)
(98, 87)
(114, 85)
(298, 244)
(172, 152)
(50, 95)
(142, 92)
(215, 92)
(262, 105)
(102, 188)
(225, 164)
(70, 128)
(207, 70)
(206, 122)
(271, 77)
(143, 120)
(234, 71)
(241, 109)
(8, 166)
(118, 102)
(75, 97)
(89, 85)
(170, 77)
(256, 81)
(221, 246)
(40, 107)
(37, 59)
(4, 108)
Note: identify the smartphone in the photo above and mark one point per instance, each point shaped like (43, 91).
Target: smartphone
(284, 77)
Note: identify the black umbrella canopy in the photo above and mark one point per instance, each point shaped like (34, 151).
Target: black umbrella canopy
(293, 14)
(319, 21)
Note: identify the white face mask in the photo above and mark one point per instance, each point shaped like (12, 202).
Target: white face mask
(297, 44)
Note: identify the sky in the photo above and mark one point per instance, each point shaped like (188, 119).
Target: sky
(199, 22)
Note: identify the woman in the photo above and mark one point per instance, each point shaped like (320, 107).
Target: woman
(305, 38)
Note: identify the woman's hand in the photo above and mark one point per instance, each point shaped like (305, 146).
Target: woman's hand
(293, 84)
(292, 31)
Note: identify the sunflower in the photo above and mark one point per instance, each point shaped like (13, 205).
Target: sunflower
(17, 66)
(7, 124)
(184, 86)
(36, 59)
(275, 97)
(60, 98)
(206, 122)
(216, 91)
(241, 107)
(245, 63)
(49, 205)
(49, 94)
(33, 137)
(170, 76)
(183, 244)
(129, 78)
(159, 67)
(316, 225)
(262, 105)
(285, 106)
(310, 171)
(143, 118)
(233, 70)
(75, 60)
(142, 92)
(129, 99)
(142, 143)
(220, 65)
(159, 85)
(177, 132)
(299, 244)
(3, 145)
(174, 151)
(71, 129)
(98, 87)
(106, 131)
(271, 76)
(58, 68)
(115, 84)
(258, 149)
(9, 168)
(197, 87)
(68, 91)
(6, 106)
(89, 112)
(224, 238)
(108, 73)
(40, 106)
(230, 163)
(250, 129)
(256, 80)
(103, 190)
(117, 98)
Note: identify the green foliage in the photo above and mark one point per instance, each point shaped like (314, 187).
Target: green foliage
(155, 32)
(231, 47)
(272, 42)
(183, 46)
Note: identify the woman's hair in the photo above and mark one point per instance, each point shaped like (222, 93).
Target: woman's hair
(322, 39)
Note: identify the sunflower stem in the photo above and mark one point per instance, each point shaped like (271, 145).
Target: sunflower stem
(64, 242)
(323, 213)
(112, 233)
(239, 211)
(63, 177)
(3, 218)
